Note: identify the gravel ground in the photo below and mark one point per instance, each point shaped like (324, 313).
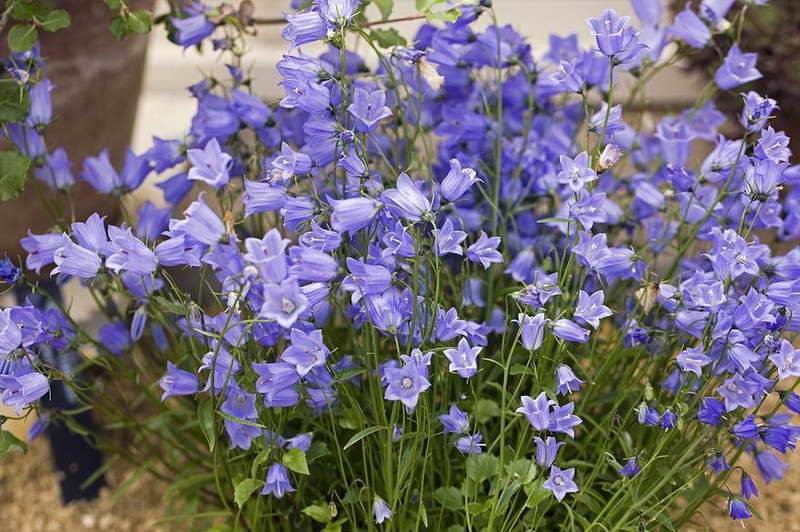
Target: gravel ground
(30, 502)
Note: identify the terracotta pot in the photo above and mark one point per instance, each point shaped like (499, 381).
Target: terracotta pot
(97, 81)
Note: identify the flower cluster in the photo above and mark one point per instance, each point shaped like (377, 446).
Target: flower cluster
(416, 240)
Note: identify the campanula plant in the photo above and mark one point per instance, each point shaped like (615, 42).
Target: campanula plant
(443, 283)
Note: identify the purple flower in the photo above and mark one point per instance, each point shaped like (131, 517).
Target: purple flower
(191, 30)
(448, 239)
(590, 309)
(463, 359)
(737, 69)
(352, 214)
(738, 509)
(749, 488)
(756, 111)
(537, 410)
(567, 79)
(152, 221)
(288, 164)
(711, 411)
(178, 382)
(338, 12)
(566, 380)
(277, 381)
(407, 201)
(746, 428)
(457, 181)
(283, 302)
(20, 391)
(560, 482)
(737, 392)
(312, 265)
(455, 422)
(126, 252)
(404, 384)
(787, 360)
(58, 171)
(570, 331)
(381, 510)
(690, 29)
(40, 112)
(72, 259)
(471, 444)
(693, 360)
(484, 250)
(648, 11)
(770, 466)
(541, 290)
(277, 483)
(9, 273)
(531, 330)
(304, 27)
(239, 403)
(210, 165)
(614, 38)
(369, 108)
(100, 174)
(576, 172)
(308, 351)
(201, 223)
(546, 450)
(631, 469)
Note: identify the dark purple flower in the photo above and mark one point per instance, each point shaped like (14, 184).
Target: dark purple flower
(40, 112)
(9, 273)
(711, 411)
(631, 468)
(749, 488)
(738, 509)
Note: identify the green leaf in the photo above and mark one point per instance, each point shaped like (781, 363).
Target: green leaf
(13, 170)
(117, 27)
(10, 443)
(386, 38)
(450, 498)
(318, 512)
(140, 21)
(170, 306)
(114, 4)
(295, 459)
(486, 410)
(205, 413)
(28, 10)
(385, 7)
(520, 369)
(482, 467)
(22, 37)
(245, 489)
(55, 20)
(361, 435)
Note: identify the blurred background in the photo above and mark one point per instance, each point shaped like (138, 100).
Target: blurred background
(164, 110)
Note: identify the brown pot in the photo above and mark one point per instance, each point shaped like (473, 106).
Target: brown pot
(97, 81)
